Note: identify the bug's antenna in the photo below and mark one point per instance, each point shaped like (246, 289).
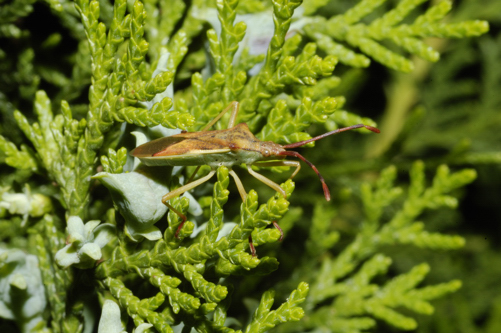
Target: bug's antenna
(339, 130)
(302, 143)
(324, 185)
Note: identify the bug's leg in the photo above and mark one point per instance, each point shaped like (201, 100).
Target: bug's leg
(234, 113)
(274, 185)
(275, 224)
(181, 215)
(267, 181)
(187, 187)
(239, 184)
(252, 248)
(295, 164)
(181, 190)
(243, 194)
(193, 174)
(234, 106)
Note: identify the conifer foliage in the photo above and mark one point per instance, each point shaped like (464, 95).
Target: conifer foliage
(82, 223)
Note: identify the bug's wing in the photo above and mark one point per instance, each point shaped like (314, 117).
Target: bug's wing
(151, 148)
(182, 144)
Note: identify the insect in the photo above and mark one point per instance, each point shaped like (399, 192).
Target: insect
(233, 146)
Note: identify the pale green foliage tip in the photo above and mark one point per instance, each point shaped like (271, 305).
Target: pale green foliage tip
(133, 53)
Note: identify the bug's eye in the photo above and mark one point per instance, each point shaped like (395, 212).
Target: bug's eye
(266, 152)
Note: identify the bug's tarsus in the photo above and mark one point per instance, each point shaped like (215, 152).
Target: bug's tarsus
(373, 129)
(179, 229)
(181, 215)
(252, 248)
(251, 244)
(275, 224)
(234, 106)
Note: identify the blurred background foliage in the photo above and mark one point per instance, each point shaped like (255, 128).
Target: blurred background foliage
(448, 112)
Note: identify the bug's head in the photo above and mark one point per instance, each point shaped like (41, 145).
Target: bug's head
(302, 143)
(270, 148)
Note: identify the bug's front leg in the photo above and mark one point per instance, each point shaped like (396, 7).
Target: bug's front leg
(267, 181)
(181, 190)
(294, 164)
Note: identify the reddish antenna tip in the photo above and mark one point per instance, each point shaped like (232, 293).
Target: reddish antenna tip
(373, 129)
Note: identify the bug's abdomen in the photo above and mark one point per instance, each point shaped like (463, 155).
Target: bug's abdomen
(228, 159)
(231, 158)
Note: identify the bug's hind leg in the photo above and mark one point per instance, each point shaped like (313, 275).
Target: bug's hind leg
(234, 106)
(181, 190)
(193, 174)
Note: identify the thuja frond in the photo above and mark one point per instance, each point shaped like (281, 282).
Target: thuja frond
(321, 238)
(264, 319)
(112, 97)
(67, 148)
(162, 18)
(115, 161)
(10, 12)
(251, 218)
(170, 256)
(402, 228)
(144, 62)
(357, 300)
(56, 140)
(225, 85)
(290, 71)
(223, 49)
(287, 71)
(21, 159)
(287, 129)
(464, 105)
(350, 29)
(136, 307)
(57, 279)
